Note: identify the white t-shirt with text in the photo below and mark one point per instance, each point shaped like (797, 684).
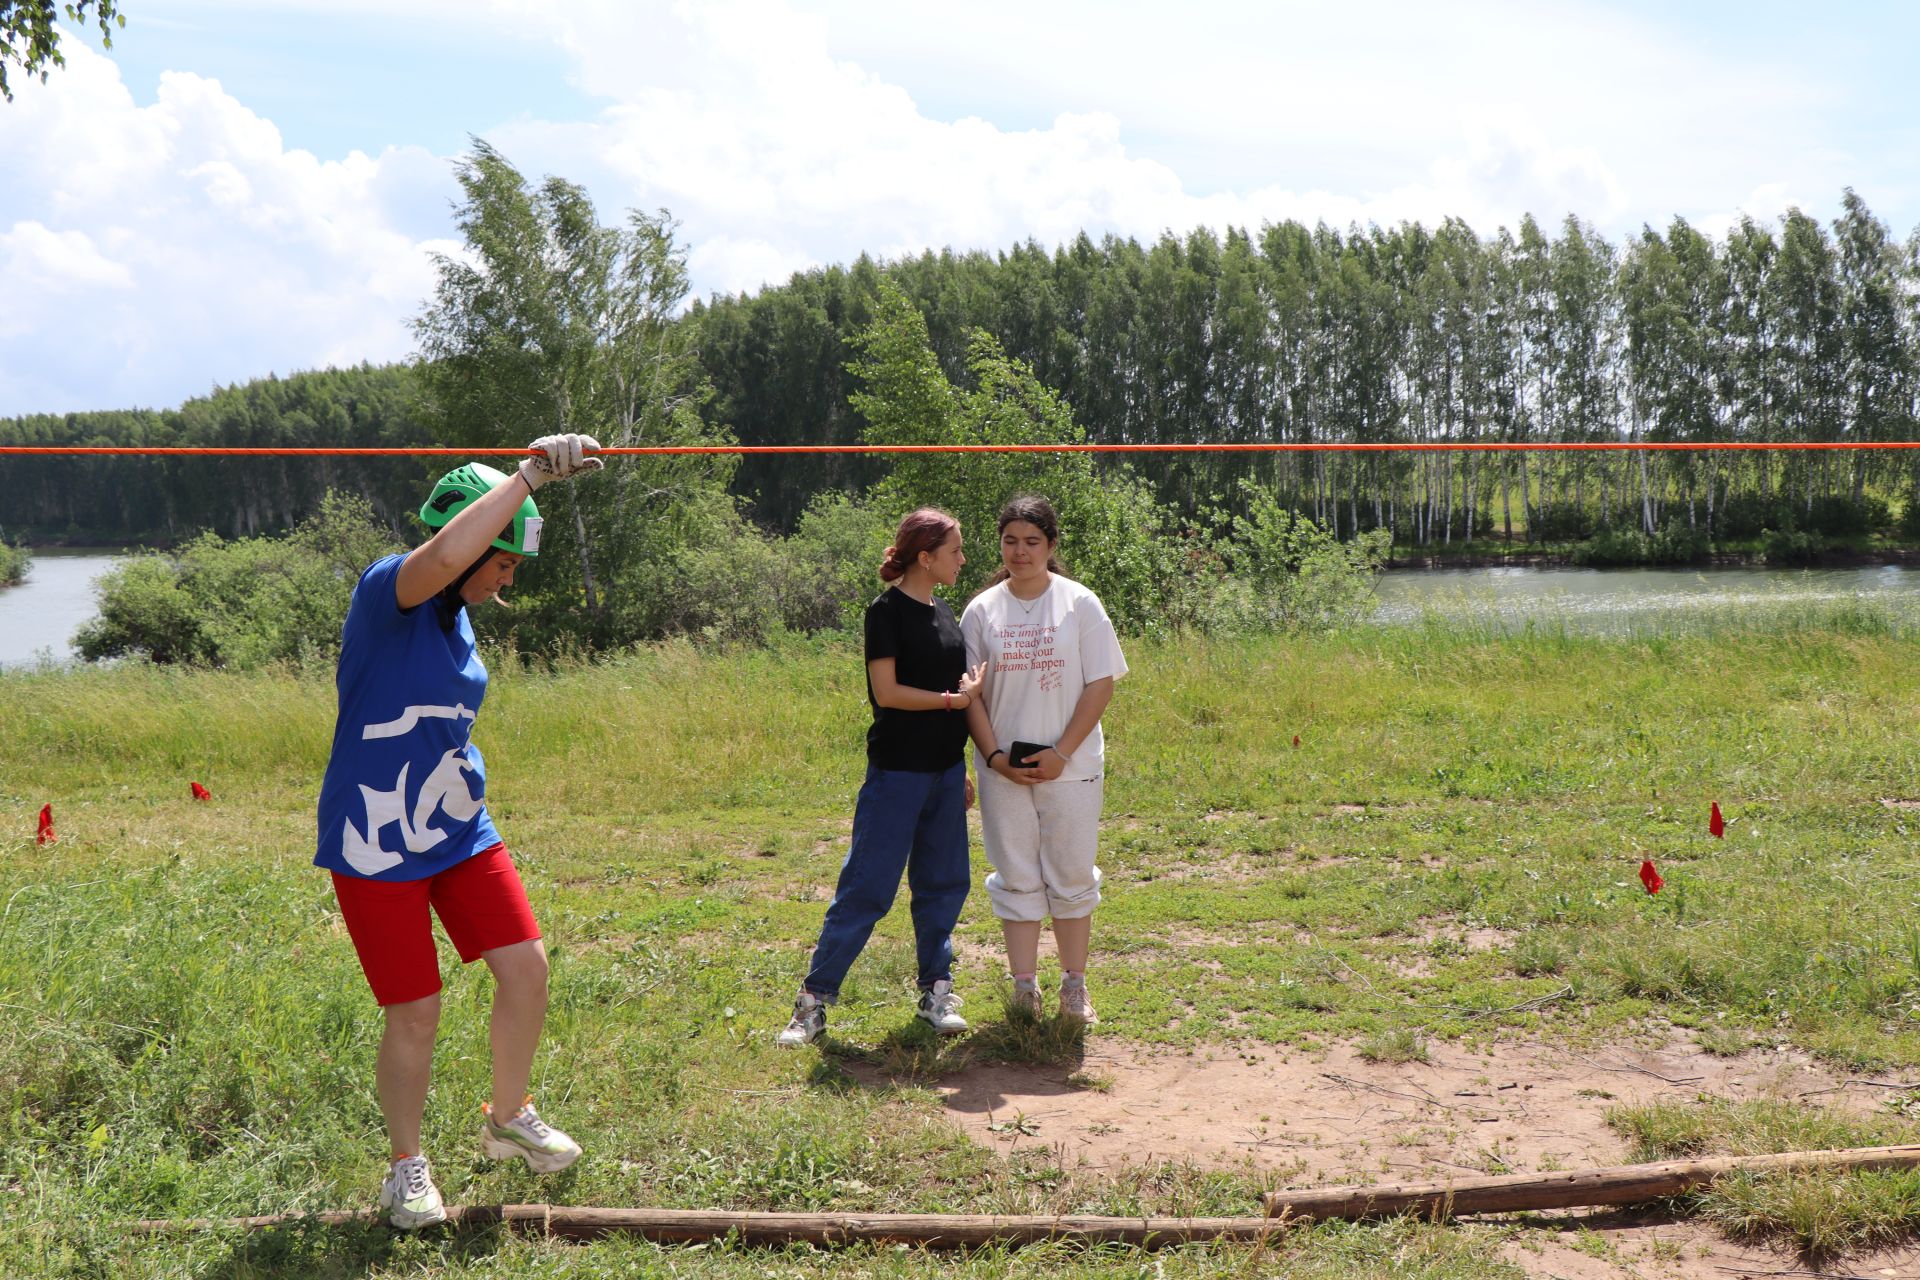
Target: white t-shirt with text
(1041, 654)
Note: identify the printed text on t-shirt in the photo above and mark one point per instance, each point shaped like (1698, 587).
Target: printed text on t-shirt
(1029, 646)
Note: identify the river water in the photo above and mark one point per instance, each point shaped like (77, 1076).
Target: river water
(38, 617)
(1617, 600)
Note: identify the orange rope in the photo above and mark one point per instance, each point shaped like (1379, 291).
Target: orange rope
(757, 450)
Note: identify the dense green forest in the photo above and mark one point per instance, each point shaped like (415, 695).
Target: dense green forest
(166, 500)
(1795, 332)
(1778, 332)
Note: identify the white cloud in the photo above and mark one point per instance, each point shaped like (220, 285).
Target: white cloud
(776, 153)
(57, 261)
(189, 246)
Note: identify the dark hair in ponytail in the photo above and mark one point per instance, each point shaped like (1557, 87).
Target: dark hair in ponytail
(1039, 513)
(926, 529)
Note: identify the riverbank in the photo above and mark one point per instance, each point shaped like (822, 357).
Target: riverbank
(1444, 869)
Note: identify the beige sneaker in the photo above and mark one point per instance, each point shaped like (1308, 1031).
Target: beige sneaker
(1075, 1004)
(409, 1196)
(528, 1137)
(1026, 995)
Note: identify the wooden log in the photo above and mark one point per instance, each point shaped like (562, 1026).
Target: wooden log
(1619, 1184)
(928, 1230)
(1623, 1184)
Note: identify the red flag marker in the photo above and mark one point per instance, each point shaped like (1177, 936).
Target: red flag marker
(1649, 877)
(46, 825)
(1716, 824)
(201, 793)
(1296, 739)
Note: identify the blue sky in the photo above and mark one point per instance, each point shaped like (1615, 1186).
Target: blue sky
(254, 186)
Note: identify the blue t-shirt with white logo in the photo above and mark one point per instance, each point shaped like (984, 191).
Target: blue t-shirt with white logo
(404, 797)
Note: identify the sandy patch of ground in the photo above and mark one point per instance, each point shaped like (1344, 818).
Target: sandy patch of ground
(1330, 1117)
(1335, 1117)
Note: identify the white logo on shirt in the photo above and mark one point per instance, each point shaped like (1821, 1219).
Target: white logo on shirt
(413, 716)
(445, 789)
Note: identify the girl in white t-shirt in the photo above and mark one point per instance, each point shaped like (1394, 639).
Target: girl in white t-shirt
(1051, 659)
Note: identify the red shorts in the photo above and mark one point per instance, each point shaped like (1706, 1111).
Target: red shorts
(481, 904)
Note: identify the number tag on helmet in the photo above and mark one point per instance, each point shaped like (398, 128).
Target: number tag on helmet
(530, 536)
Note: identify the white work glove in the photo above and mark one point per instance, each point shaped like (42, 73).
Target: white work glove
(560, 458)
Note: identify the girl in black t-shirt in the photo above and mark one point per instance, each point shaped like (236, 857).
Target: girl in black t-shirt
(912, 811)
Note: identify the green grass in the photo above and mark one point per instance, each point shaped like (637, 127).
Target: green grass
(1818, 1212)
(1450, 854)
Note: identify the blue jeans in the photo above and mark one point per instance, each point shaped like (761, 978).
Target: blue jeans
(904, 821)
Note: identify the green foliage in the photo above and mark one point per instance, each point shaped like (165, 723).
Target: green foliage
(553, 322)
(14, 562)
(833, 561)
(1792, 546)
(1295, 575)
(1673, 544)
(30, 33)
(1112, 533)
(1266, 569)
(242, 603)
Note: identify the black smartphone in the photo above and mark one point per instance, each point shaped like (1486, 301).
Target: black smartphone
(1021, 754)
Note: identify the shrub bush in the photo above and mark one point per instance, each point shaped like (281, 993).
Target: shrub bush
(13, 564)
(1792, 546)
(242, 603)
(1675, 543)
(1560, 522)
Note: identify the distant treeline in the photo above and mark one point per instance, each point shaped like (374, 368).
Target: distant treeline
(1800, 331)
(119, 500)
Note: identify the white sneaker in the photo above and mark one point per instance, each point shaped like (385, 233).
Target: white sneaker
(1026, 995)
(940, 1009)
(409, 1196)
(808, 1024)
(543, 1147)
(1075, 1004)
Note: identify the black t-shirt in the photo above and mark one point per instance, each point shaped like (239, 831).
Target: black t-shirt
(927, 651)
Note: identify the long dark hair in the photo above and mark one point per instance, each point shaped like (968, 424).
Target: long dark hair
(926, 529)
(1039, 513)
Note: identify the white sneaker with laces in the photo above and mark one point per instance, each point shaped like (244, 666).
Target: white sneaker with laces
(940, 1009)
(1026, 995)
(808, 1024)
(1075, 1004)
(409, 1196)
(543, 1147)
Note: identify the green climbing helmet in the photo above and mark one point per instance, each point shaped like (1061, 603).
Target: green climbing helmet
(462, 485)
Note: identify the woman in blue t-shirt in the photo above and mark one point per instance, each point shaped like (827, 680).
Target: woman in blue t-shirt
(912, 813)
(403, 817)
